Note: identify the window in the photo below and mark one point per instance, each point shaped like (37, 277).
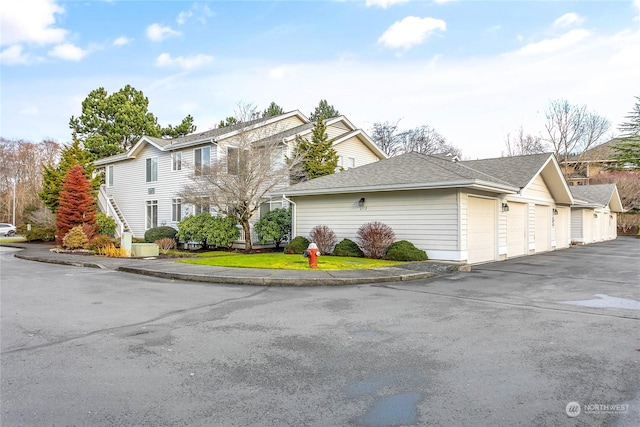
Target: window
(233, 160)
(152, 169)
(278, 158)
(202, 160)
(110, 176)
(176, 161)
(152, 214)
(202, 207)
(346, 162)
(267, 207)
(176, 210)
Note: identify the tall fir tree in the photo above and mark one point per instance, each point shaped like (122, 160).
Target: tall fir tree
(318, 157)
(273, 110)
(53, 175)
(323, 111)
(628, 150)
(76, 204)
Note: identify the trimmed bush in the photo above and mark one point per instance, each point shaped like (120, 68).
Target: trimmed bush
(404, 250)
(275, 226)
(157, 233)
(40, 233)
(374, 238)
(105, 224)
(99, 242)
(297, 246)
(324, 237)
(75, 238)
(205, 229)
(347, 247)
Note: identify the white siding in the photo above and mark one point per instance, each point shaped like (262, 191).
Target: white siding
(428, 219)
(537, 190)
(577, 234)
(354, 147)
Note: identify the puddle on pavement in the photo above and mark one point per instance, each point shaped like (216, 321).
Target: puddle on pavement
(394, 410)
(369, 386)
(605, 301)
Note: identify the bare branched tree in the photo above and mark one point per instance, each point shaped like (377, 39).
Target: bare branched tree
(426, 140)
(522, 144)
(573, 129)
(252, 165)
(386, 136)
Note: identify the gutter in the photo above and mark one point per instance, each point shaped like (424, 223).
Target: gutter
(293, 215)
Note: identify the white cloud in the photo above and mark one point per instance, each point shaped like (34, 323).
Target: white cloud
(279, 73)
(568, 19)
(411, 31)
(184, 16)
(186, 63)
(443, 1)
(384, 3)
(30, 22)
(553, 45)
(13, 55)
(157, 32)
(121, 41)
(68, 51)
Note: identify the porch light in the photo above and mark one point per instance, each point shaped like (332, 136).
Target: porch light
(505, 207)
(361, 202)
(595, 215)
(555, 211)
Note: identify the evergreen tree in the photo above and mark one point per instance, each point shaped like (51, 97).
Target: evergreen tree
(76, 203)
(229, 121)
(323, 111)
(628, 150)
(318, 157)
(273, 110)
(53, 176)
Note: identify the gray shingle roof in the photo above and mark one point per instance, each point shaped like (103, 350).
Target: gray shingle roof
(411, 170)
(517, 170)
(599, 194)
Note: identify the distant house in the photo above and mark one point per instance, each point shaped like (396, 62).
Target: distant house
(142, 186)
(474, 211)
(579, 169)
(594, 213)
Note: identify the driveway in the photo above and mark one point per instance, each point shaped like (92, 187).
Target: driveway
(510, 343)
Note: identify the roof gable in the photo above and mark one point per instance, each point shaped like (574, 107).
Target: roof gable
(602, 195)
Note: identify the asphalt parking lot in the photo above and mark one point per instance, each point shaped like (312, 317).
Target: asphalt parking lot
(511, 343)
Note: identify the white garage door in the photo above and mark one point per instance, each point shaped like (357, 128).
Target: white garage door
(562, 228)
(542, 228)
(481, 237)
(597, 227)
(517, 230)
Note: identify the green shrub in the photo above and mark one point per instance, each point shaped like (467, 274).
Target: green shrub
(205, 229)
(75, 238)
(275, 226)
(157, 233)
(39, 233)
(347, 247)
(105, 224)
(99, 242)
(403, 250)
(297, 245)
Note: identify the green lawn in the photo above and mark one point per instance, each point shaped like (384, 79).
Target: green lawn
(282, 261)
(14, 239)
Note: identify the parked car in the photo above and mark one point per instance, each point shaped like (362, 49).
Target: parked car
(7, 229)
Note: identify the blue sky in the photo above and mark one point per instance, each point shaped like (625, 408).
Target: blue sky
(473, 70)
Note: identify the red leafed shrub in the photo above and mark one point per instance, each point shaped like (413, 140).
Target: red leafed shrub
(76, 205)
(89, 230)
(374, 238)
(324, 237)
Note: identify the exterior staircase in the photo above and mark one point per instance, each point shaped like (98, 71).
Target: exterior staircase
(124, 226)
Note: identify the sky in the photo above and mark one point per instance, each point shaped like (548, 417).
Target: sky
(473, 70)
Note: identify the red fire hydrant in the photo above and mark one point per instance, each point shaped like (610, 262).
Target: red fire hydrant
(313, 253)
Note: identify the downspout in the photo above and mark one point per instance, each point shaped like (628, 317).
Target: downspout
(293, 215)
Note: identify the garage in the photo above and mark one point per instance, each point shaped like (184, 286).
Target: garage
(562, 228)
(517, 230)
(597, 227)
(481, 235)
(542, 228)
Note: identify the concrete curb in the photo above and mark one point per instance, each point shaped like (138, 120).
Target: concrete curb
(276, 281)
(59, 261)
